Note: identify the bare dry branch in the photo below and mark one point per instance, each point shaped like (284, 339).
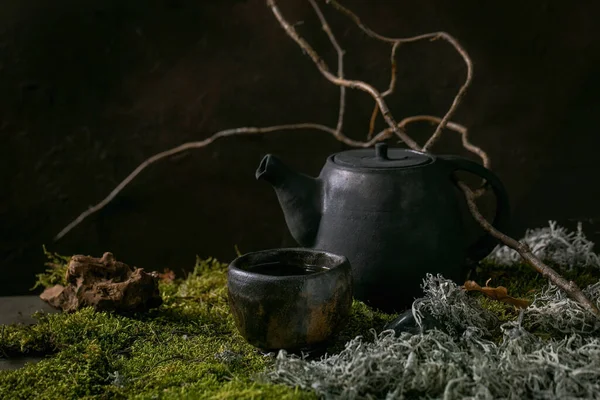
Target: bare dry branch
(393, 70)
(547, 272)
(203, 143)
(353, 84)
(340, 54)
(390, 90)
(454, 127)
(569, 287)
(394, 128)
(464, 139)
(372, 121)
(431, 36)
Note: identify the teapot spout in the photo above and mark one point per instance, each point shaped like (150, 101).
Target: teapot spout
(299, 196)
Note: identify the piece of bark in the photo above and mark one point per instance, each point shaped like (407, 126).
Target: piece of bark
(106, 285)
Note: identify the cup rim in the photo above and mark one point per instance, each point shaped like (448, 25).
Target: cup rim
(262, 256)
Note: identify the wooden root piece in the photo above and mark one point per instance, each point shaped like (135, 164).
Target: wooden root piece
(106, 285)
(499, 293)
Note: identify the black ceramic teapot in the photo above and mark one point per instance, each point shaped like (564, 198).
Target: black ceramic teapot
(396, 214)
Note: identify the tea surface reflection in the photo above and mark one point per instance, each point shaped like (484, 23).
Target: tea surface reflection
(285, 269)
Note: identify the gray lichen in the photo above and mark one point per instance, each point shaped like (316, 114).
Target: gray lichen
(439, 364)
(554, 313)
(455, 310)
(552, 351)
(553, 244)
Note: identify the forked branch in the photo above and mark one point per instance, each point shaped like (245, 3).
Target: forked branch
(393, 128)
(398, 41)
(203, 143)
(390, 90)
(340, 55)
(353, 84)
(569, 287)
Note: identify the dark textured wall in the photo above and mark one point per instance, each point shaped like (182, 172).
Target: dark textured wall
(88, 90)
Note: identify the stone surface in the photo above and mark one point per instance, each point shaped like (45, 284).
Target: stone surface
(106, 285)
(16, 363)
(18, 309)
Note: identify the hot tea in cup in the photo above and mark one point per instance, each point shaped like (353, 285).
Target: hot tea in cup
(289, 298)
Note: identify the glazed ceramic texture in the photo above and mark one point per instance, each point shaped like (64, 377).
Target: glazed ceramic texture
(396, 215)
(292, 312)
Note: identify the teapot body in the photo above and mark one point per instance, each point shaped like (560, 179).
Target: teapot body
(394, 227)
(396, 215)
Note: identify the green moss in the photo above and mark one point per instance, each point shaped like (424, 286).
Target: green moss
(187, 348)
(504, 312)
(56, 272)
(361, 320)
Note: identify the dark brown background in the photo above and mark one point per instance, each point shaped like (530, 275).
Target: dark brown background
(88, 90)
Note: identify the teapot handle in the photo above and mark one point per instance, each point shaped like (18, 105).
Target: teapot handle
(484, 246)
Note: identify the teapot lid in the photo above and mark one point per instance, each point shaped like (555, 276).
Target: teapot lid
(382, 157)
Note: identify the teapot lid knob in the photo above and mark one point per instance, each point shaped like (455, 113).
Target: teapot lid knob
(382, 158)
(381, 151)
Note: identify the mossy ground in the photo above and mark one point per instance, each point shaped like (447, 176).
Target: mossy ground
(187, 348)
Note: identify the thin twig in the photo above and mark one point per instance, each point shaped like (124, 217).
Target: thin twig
(547, 272)
(454, 127)
(340, 54)
(204, 143)
(353, 84)
(374, 115)
(462, 130)
(431, 36)
(390, 90)
(393, 71)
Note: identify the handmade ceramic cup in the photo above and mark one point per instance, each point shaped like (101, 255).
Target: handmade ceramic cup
(291, 299)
